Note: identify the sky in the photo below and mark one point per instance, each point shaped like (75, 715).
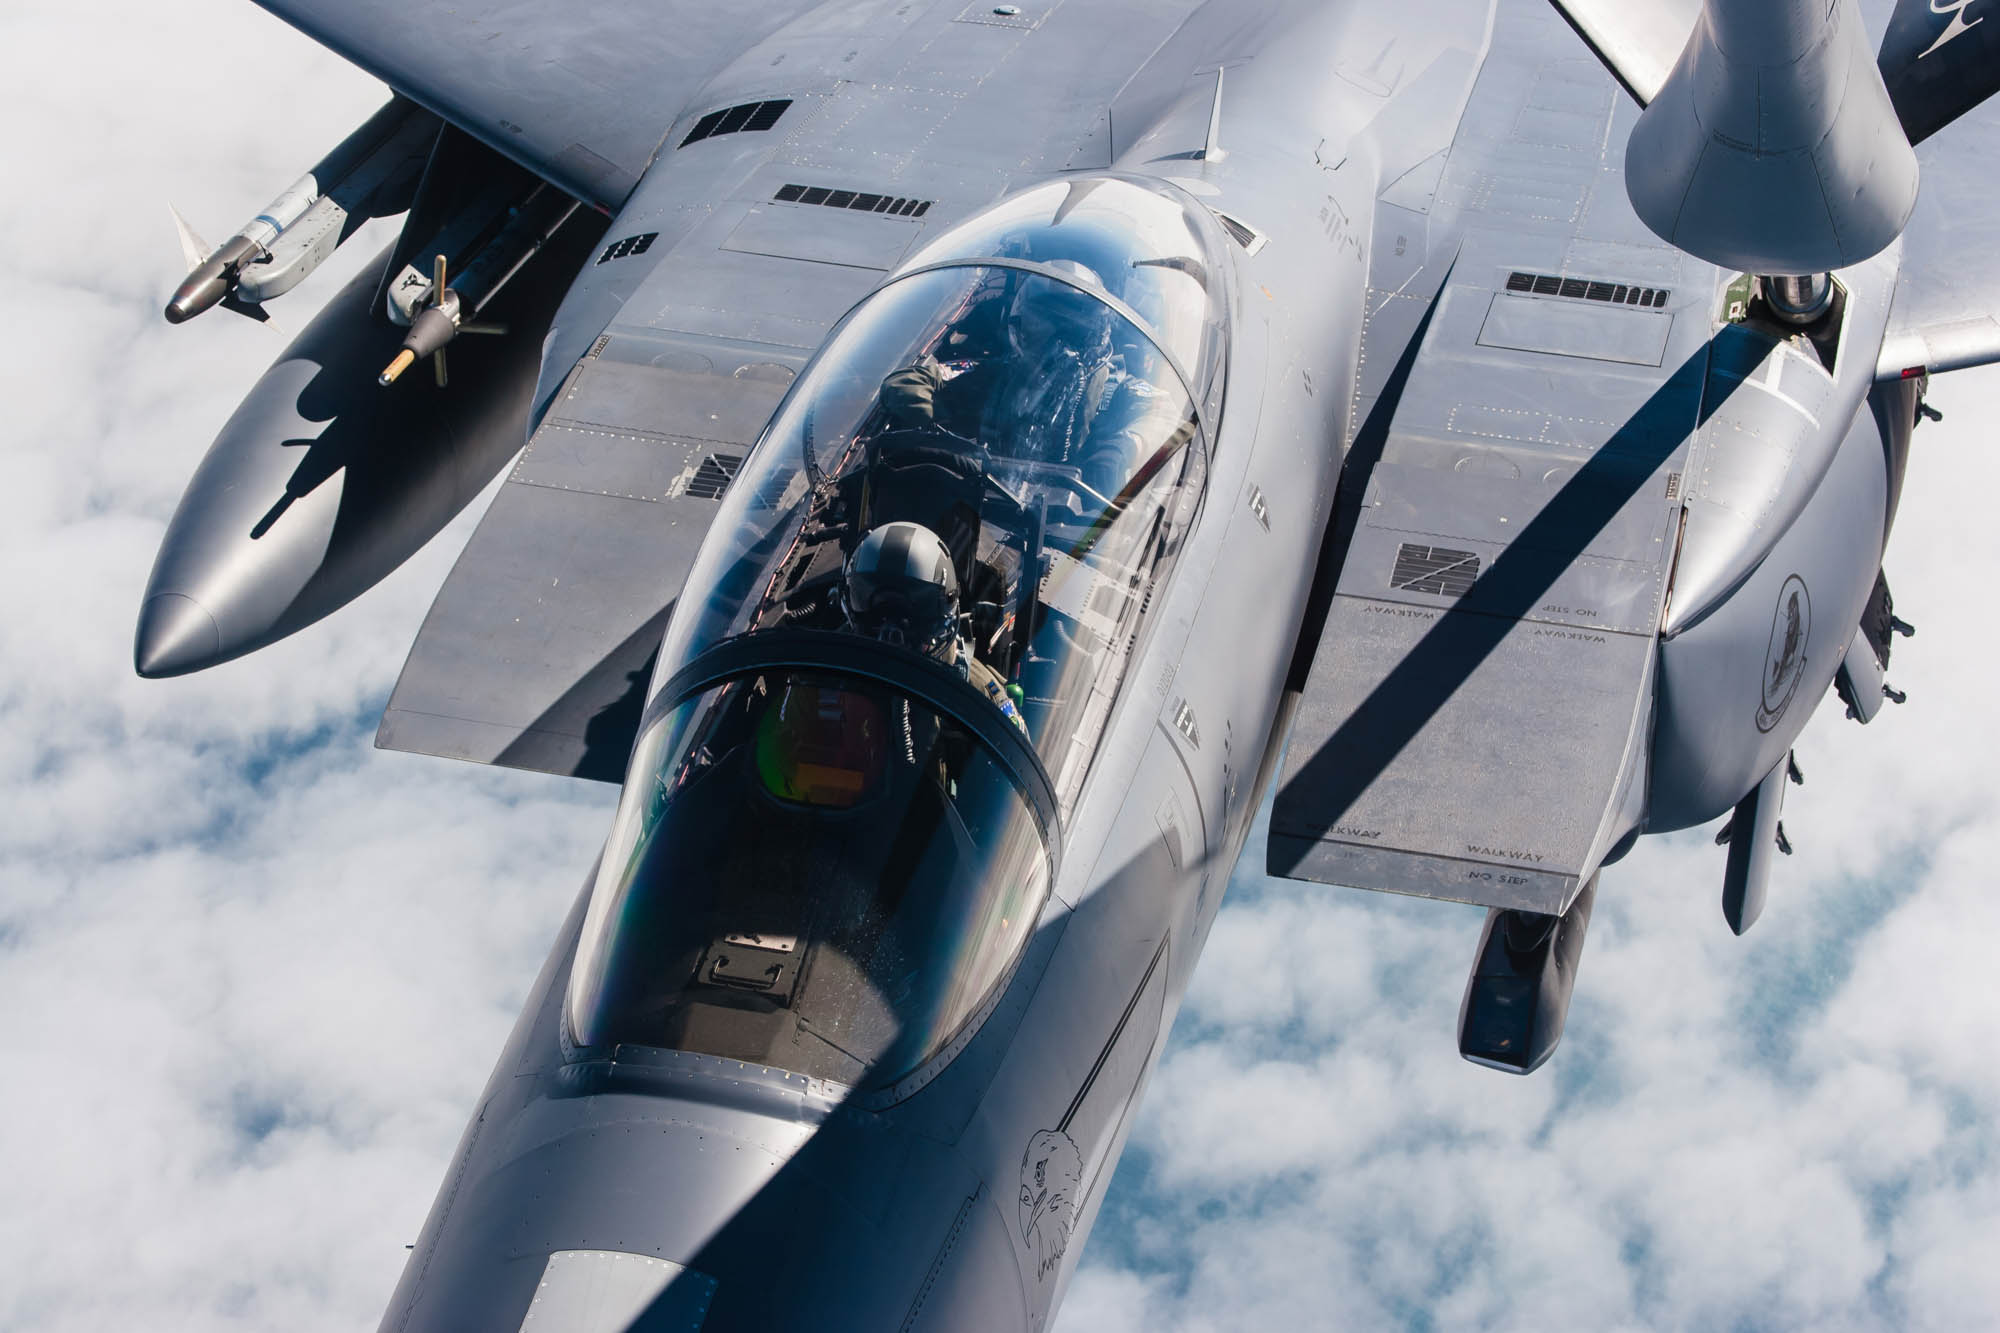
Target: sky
(255, 971)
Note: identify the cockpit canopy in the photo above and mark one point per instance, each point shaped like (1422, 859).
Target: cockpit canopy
(1154, 252)
(810, 870)
(895, 659)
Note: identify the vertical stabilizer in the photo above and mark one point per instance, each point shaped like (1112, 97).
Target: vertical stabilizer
(1940, 59)
(1773, 147)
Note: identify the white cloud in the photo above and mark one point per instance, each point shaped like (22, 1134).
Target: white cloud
(255, 972)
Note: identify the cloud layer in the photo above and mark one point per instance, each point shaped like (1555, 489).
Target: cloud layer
(255, 971)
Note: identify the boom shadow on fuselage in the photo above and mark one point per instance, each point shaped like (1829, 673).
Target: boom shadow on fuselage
(1363, 747)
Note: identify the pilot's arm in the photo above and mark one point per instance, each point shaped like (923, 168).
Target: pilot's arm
(936, 392)
(909, 395)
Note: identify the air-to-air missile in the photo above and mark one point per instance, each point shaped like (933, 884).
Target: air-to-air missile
(370, 173)
(323, 482)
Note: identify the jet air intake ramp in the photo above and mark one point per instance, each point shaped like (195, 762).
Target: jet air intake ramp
(1477, 717)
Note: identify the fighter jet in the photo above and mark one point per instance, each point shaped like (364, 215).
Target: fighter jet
(965, 456)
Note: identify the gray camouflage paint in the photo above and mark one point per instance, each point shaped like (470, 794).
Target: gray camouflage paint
(1645, 502)
(1006, 1153)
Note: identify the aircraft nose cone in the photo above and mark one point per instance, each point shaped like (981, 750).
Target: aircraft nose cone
(176, 635)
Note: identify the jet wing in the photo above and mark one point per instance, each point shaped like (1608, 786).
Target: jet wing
(1948, 293)
(1474, 724)
(579, 94)
(536, 652)
(1638, 40)
(538, 649)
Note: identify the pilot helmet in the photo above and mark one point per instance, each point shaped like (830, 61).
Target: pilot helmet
(1047, 314)
(901, 588)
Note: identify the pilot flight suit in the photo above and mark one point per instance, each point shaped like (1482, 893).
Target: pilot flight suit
(987, 681)
(1097, 420)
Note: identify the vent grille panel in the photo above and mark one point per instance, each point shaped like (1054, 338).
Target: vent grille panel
(734, 119)
(1434, 570)
(712, 478)
(630, 245)
(854, 200)
(1588, 289)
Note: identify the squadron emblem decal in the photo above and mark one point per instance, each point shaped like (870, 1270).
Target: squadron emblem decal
(1959, 23)
(1785, 660)
(1051, 1181)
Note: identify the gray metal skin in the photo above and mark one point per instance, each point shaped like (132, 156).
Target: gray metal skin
(322, 483)
(1732, 696)
(791, 1207)
(1778, 461)
(771, 1201)
(1782, 491)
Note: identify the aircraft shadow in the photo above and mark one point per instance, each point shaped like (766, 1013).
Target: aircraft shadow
(588, 732)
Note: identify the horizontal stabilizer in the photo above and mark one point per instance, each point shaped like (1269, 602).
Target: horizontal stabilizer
(1638, 40)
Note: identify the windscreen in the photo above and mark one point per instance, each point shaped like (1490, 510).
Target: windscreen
(989, 465)
(1151, 248)
(808, 871)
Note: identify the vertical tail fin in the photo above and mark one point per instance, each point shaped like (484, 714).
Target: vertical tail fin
(1940, 58)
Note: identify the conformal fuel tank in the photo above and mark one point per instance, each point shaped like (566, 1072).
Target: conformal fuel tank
(323, 481)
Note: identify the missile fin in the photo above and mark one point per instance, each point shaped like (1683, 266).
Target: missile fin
(247, 309)
(255, 310)
(193, 249)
